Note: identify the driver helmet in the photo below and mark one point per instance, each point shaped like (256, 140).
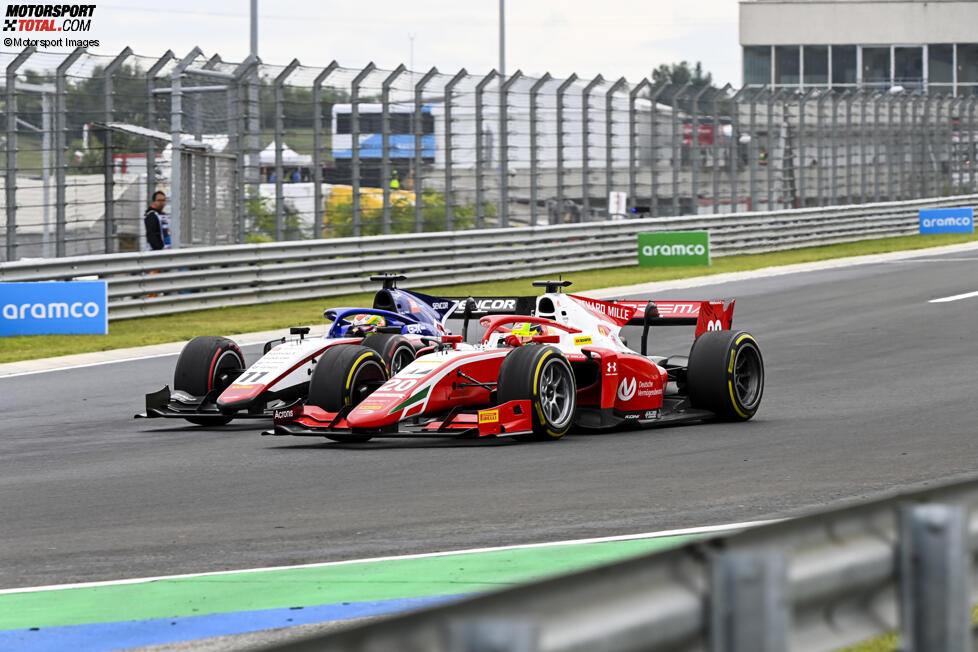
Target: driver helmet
(365, 324)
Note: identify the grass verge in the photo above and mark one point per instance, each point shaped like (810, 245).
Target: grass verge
(245, 319)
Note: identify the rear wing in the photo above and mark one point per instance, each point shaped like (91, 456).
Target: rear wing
(705, 315)
(467, 308)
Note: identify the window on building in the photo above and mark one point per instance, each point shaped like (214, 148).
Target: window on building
(908, 67)
(843, 64)
(757, 64)
(876, 66)
(816, 65)
(968, 63)
(786, 65)
(940, 59)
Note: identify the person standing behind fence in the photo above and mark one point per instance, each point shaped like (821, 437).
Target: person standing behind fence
(157, 223)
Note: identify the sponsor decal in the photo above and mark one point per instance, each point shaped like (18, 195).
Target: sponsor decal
(489, 416)
(604, 330)
(626, 389)
(947, 220)
(413, 329)
(495, 305)
(284, 414)
(441, 305)
(674, 248)
(49, 308)
(632, 415)
(370, 407)
(48, 20)
(615, 312)
(581, 341)
(648, 388)
(651, 414)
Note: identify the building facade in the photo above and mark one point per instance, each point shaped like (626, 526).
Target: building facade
(861, 44)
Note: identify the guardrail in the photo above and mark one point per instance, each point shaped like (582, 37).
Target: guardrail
(816, 583)
(163, 282)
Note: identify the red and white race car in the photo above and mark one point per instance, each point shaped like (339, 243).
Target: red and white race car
(536, 377)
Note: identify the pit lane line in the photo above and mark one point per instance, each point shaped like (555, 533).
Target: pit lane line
(77, 361)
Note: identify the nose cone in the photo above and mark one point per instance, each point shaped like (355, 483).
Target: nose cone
(387, 406)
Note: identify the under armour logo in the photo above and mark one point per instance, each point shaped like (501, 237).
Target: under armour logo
(10, 24)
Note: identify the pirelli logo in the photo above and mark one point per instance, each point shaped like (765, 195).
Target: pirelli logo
(489, 416)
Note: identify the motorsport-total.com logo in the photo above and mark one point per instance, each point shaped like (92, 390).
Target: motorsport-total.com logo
(46, 19)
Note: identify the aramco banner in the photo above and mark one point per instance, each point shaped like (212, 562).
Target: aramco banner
(674, 248)
(52, 308)
(947, 220)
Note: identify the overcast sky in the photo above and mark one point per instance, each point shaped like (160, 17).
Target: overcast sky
(612, 37)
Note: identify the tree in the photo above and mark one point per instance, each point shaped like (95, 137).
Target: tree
(681, 73)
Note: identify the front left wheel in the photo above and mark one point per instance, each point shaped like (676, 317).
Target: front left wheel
(343, 377)
(206, 364)
(542, 375)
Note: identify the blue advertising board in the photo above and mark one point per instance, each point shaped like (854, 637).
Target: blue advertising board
(947, 220)
(51, 308)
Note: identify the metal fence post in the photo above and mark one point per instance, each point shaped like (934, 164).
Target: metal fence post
(935, 577)
(863, 143)
(585, 154)
(749, 601)
(449, 192)
(676, 147)
(279, 146)
(937, 141)
(355, 146)
(419, 150)
(534, 146)
(973, 143)
(877, 100)
(752, 154)
(890, 147)
(480, 207)
(504, 89)
(561, 91)
(735, 149)
(694, 149)
(151, 121)
(238, 101)
(715, 147)
(176, 129)
(11, 171)
(835, 131)
(654, 147)
(319, 221)
(609, 149)
(633, 160)
(108, 163)
(904, 134)
(802, 168)
(771, 101)
(819, 129)
(60, 130)
(385, 145)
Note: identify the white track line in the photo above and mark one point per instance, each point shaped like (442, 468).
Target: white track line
(956, 297)
(710, 529)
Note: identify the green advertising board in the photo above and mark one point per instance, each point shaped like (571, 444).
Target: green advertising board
(675, 248)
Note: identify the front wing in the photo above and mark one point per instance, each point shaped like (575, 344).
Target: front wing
(180, 405)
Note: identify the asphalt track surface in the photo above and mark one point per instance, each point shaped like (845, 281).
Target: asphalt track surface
(870, 390)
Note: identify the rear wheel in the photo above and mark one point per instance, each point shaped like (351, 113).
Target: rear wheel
(542, 375)
(344, 376)
(726, 374)
(395, 349)
(208, 363)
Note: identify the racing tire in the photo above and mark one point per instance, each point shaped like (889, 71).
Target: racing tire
(344, 376)
(542, 375)
(726, 374)
(208, 363)
(396, 350)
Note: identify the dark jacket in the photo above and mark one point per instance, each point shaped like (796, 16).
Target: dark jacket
(157, 229)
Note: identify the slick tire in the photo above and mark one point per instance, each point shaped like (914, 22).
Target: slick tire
(726, 374)
(344, 376)
(208, 363)
(542, 375)
(396, 350)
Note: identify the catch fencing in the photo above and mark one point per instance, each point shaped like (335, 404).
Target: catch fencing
(156, 283)
(813, 584)
(292, 152)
